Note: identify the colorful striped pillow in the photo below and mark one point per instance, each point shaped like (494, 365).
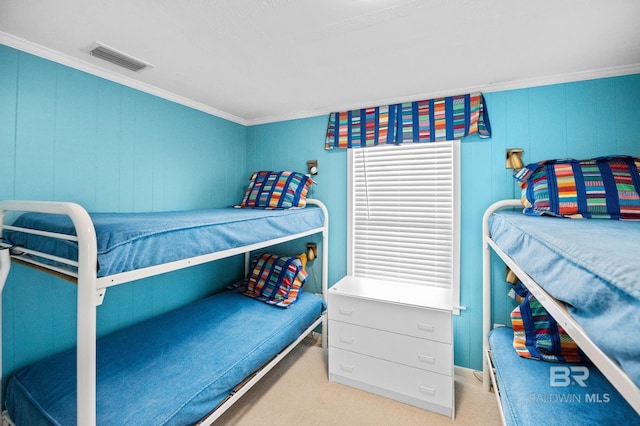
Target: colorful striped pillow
(276, 280)
(598, 188)
(277, 190)
(537, 335)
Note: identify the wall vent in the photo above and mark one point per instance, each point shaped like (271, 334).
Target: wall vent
(118, 58)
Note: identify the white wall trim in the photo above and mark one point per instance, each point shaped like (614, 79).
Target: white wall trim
(493, 87)
(64, 59)
(466, 372)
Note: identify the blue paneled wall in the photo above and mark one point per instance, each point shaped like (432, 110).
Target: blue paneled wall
(66, 135)
(80, 138)
(289, 144)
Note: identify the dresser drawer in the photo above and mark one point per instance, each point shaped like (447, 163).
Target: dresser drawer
(411, 385)
(412, 351)
(409, 320)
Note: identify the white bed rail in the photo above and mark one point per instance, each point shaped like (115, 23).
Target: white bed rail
(86, 299)
(558, 310)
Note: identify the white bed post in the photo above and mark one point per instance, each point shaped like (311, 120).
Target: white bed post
(5, 266)
(86, 326)
(486, 285)
(325, 274)
(486, 299)
(325, 264)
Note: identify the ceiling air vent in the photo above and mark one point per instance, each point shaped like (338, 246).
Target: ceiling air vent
(119, 58)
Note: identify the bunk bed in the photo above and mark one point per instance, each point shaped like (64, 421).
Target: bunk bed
(183, 367)
(585, 273)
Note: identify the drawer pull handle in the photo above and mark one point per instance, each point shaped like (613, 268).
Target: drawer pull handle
(426, 327)
(427, 358)
(346, 339)
(346, 367)
(427, 389)
(344, 311)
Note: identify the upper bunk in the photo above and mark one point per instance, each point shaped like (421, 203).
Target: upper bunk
(130, 246)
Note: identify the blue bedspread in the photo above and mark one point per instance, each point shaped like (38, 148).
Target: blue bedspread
(129, 241)
(532, 395)
(170, 370)
(592, 265)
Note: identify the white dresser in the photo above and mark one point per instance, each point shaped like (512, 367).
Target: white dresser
(394, 340)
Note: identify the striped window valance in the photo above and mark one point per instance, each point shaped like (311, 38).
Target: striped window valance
(432, 120)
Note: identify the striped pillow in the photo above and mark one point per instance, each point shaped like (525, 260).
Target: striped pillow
(599, 188)
(537, 335)
(277, 190)
(276, 280)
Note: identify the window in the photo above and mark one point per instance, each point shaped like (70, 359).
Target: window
(404, 216)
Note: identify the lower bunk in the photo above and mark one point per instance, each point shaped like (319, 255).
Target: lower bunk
(532, 392)
(170, 370)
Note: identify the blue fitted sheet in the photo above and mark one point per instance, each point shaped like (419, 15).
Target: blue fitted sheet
(528, 397)
(170, 370)
(129, 241)
(592, 265)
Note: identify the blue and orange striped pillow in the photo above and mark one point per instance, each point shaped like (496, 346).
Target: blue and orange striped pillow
(273, 279)
(537, 335)
(277, 190)
(598, 188)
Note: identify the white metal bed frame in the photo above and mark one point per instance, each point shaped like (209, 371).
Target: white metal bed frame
(91, 290)
(558, 310)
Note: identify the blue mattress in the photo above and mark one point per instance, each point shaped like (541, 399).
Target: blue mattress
(129, 241)
(592, 265)
(170, 370)
(531, 394)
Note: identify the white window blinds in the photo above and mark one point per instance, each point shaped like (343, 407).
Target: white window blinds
(404, 214)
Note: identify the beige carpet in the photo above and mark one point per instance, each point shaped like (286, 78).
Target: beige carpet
(298, 392)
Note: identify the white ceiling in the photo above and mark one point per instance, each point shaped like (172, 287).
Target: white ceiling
(257, 61)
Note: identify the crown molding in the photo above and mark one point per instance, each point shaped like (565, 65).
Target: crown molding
(487, 88)
(70, 61)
